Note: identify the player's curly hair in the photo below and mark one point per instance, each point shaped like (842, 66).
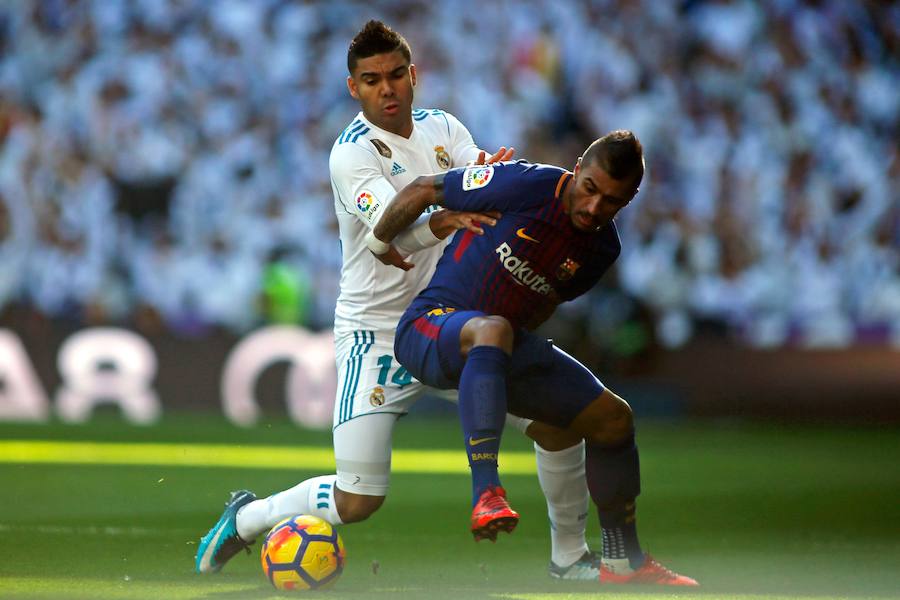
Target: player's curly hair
(619, 153)
(376, 38)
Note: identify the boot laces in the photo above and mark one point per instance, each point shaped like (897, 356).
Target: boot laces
(657, 571)
(494, 500)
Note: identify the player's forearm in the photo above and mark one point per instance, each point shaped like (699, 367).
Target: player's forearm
(418, 236)
(406, 207)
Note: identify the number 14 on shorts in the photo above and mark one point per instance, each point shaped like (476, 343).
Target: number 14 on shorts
(401, 376)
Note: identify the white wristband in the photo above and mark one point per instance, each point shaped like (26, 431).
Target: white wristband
(423, 234)
(375, 245)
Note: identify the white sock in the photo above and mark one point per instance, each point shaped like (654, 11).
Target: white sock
(311, 497)
(561, 475)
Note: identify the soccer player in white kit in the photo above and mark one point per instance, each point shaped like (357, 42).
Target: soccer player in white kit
(384, 148)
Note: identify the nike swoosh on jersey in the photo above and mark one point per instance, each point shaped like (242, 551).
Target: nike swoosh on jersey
(521, 233)
(474, 442)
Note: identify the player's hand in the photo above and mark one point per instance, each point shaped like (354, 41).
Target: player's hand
(445, 222)
(500, 155)
(393, 258)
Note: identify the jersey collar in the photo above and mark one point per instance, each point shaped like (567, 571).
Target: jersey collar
(385, 133)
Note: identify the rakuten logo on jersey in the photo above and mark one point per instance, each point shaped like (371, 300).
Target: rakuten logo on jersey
(521, 272)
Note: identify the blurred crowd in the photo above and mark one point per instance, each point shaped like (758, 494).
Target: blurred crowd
(165, 162)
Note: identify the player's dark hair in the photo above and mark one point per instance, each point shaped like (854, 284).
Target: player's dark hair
(619, 153)
(376, 38)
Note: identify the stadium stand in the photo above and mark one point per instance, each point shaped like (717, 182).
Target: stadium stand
(159, 155)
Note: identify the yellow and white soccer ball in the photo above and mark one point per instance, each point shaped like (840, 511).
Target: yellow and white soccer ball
(303, 553)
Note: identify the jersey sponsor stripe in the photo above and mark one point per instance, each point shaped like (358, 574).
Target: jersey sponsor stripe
(353, 377)
(467, 238)
(427, 328)
(345, 137)
(352, 374)
(347, 376)
(368, 338)
(346, 370)
(323, 495)
(365, 340)
(355, 126)
(359, 133)
(355, 367)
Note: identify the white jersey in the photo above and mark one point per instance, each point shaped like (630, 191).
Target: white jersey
(368, 167)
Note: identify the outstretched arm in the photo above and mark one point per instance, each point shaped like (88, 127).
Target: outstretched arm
(407, 205)
(426, 232)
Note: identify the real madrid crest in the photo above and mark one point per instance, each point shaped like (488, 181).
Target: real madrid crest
(566, 269)
(376, 398)
(381, 147)
(443, 159)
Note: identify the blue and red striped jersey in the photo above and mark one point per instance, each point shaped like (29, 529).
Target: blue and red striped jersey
(532, 258)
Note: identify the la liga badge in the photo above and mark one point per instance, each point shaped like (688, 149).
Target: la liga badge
(477, 177)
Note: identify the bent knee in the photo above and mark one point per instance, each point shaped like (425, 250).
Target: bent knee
(550, 438)
(609, 420)
(491, 330)
(354, 508)
(617, 425)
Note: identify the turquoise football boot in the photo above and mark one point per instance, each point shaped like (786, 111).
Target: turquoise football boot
(586, 568)
(222, 542)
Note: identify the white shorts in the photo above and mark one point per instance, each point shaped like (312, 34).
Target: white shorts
(370, 380)
(373, 391)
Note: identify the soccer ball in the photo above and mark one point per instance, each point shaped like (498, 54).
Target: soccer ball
(302, 553)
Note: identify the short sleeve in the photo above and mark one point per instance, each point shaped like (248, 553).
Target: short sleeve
(505, 187)
(359, 182)
(462, 146)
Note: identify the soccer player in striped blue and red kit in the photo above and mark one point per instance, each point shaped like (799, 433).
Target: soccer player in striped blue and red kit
(471, 328)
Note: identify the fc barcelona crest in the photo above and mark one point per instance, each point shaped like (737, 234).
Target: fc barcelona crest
(443, 159)
(566, 269)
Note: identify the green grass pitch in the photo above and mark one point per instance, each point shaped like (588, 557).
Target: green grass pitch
(751, 511)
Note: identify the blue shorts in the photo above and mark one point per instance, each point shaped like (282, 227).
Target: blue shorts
(544, 383)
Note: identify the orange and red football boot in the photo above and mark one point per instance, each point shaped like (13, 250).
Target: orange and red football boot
(651, 572)
(492, 514)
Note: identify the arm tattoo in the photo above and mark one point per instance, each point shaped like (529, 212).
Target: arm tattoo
(438, 181)
(406, 207)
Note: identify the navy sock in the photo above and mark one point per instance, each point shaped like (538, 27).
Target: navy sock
(619, 531)
(482, 412)
(614, 481)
